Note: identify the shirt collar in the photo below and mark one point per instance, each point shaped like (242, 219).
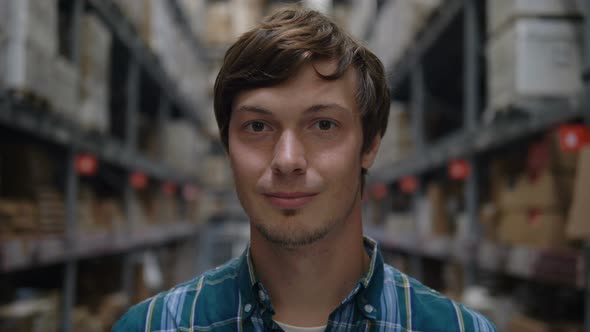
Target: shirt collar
(247, 283)
(367, 294)
(368, 291)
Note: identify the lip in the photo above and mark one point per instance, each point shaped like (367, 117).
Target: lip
(290, 201)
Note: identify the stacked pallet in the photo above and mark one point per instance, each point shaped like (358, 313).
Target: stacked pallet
(17, 217)
(534, 53)
(29, 199)
(398, 142)
(406, 19)
(28, 38)
(95, 52)
(51, 207)
(532, 199)
(31, 315)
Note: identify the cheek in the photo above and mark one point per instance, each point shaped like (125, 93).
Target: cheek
(246, 163)
(341, 161)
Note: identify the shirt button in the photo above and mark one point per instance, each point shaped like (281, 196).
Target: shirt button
(261, 295)
(247, 307)
(369, 308)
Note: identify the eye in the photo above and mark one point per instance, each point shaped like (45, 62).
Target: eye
(256, 126)
(325, 124)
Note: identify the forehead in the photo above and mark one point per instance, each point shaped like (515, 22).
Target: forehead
(305, 88)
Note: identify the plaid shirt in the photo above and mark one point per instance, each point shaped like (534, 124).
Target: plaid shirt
(229, 298)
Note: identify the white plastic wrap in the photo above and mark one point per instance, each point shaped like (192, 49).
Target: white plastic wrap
(535, 58)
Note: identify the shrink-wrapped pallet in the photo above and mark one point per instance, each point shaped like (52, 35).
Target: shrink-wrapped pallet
(28, 43)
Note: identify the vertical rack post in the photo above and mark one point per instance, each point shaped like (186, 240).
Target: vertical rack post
(417, 101)
(586, 106)
(471, 104)
(418, 93)
(162, 118)
(70, 272)
(132, 106)
(131, 112)
(71, 187)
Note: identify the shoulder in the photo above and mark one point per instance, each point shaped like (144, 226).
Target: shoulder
(424, 309)
(208, 298)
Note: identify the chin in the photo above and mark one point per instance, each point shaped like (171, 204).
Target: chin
(291, 236)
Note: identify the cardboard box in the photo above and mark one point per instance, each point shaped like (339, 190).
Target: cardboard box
(406, 18)
(18, 216)
(503, 12)
(578, 225)
(220, 28)
(83, 320)
(548, 154)
(111, 308)
(534, 229)
(184, 148)
(441, 223)
(64, 97)
(398, 141)
(93, 114)
(245, 15)
(521, 323)
(139, 13)
(31, 315)
(489, 218)
(26, 68)
(561, 160)
(28, 43)
(545, 191)
(195, 11)
(24, 169)
(30, 21)
(534, 59)
(95, 49)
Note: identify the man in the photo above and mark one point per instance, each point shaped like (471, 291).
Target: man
(301, 108)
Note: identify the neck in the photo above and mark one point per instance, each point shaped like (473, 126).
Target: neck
(307, 283)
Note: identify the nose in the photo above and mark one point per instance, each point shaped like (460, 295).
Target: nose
(289, 155)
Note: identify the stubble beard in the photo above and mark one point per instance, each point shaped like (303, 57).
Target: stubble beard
(289, 238)
(292, 236)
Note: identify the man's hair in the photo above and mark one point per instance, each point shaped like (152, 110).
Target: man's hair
(276, 49)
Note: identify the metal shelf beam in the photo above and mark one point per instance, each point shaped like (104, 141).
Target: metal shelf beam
(438, 24)
(124, 31)
(557, 266)
(587, 117)
(54, 129)
(467, 143)
(471, 107)
(27, 253)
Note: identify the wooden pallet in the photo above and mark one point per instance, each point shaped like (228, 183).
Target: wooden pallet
(51, 206)
(29, 96)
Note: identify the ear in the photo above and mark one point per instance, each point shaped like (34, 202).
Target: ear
(368, 156)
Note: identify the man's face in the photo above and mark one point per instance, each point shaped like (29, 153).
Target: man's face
(295, 151)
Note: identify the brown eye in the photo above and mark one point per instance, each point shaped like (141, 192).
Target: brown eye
(257, 126)
(325, 124)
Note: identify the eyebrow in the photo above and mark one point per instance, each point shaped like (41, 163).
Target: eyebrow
(312, 109)
(254, 109)
(321, 107)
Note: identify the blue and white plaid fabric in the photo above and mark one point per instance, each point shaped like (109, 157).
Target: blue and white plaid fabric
(229, 298)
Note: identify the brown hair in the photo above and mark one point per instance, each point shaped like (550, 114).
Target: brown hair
(274, 51)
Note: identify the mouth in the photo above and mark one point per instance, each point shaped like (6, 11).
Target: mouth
(290, 201)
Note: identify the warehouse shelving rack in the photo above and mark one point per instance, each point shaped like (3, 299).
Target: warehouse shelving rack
(34, 120)
(475, 138)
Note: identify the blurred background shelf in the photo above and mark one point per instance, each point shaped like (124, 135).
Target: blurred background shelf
(563, 267)
(37, 121)
(468, 143)
(34, 252)
(479, 189)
